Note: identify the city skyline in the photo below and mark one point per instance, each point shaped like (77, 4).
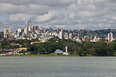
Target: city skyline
(64, 14)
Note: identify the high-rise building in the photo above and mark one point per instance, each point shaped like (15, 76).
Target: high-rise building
(58, 30)
(61, 34)
(30, 26)
(65, 35)
(25, 31)
(35, 28)
(110, 37)
(19, 30)
(70, 36)
(6, 32)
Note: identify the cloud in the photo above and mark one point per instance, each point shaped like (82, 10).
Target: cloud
(8, 8)
(69, 14)
(46, 17)
(113, 17)
(52, 3)
(20, 17)
(72, 15)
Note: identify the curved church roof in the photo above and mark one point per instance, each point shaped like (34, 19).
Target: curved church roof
(58, 51)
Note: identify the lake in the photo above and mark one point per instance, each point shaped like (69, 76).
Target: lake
(58, 66)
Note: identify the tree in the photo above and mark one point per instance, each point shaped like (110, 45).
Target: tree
(81, 52)
(87, 46)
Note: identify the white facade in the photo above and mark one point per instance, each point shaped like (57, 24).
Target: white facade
(54, 34)
(65, 35)
(66, 51)
(6, 31)
(78, 40)
(70, 36)
(61, 34)
(110, 36)
(30, 27)
(95, 39)
(25, 31)
(19, 30)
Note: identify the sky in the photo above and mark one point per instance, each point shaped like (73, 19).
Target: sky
(64, 14)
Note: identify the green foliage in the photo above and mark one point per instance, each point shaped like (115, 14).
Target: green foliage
(0, 52)
(86, 46)
(5, 45)
(20, 41)
(81, 52)
(22, 51)
(81, 49)
(114, 41)
(52, 45)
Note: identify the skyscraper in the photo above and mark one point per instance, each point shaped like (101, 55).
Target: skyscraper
(61, 34)
(70, 36)
(25, 31)
(35, 28)
(110, 37)
(30, 27)
(66, 35)
(6, 32)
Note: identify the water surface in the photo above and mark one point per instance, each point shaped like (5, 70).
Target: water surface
(57, 67)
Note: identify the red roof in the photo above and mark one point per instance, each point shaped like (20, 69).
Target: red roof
(108, 42)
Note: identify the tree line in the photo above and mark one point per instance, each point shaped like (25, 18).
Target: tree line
(82, 49)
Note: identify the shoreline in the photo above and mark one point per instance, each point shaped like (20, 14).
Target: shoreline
(51, 56)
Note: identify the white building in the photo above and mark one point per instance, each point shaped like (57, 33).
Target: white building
(95, 39)
(70, 36)
(65, 35)
(6, 31)
(110, 37)
(25, 31)
(61, 34)
(78, 40)
(19, 30)
(54, 34)
(30, 27)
